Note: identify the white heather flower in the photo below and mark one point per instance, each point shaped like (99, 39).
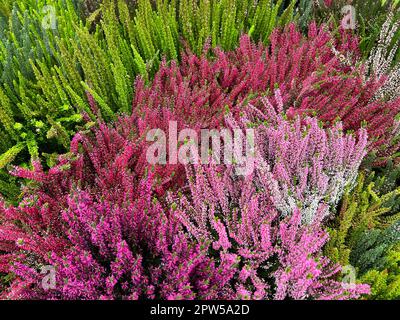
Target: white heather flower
(381, 58)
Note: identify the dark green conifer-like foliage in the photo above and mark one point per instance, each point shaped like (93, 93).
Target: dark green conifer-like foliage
(366, 233)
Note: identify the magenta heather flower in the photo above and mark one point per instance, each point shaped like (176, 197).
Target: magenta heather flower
(99, 224)
(130, 251)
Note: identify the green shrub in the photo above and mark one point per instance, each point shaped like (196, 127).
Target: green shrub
(366, 234)
(385, 283)
(28, 42)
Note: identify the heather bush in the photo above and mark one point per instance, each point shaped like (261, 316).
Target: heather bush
(98, 223)
(5, 8)
(381, 59)
(366, 233)
(361, 209)
(302, 164)
(369, 16)
(43, 92)
(127, 250)
(310, 72)
(385, 282)
(27, 42)
(158, 29)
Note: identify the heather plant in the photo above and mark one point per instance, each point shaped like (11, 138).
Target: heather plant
(386, 180)
(332, 10)
(385, 283)
(98, 223)
(134, 43)
(365, 18)
(6, 8)
(381, 59)
(95, 218)
(27, 42)
(127, 250)
(307, 179)
(375, 256)
(371, 38)
(302, 164)
(220, 22)
(361, 209)
(276, 258)
(366, 233)
(372, 247)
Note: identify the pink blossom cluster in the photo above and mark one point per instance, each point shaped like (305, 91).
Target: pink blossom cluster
(110, 235)
(299, 162)
(276, 258)
(103, 230)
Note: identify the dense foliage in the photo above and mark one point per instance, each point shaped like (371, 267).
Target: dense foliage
(309, 211)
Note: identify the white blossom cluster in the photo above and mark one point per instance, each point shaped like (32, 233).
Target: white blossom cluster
(380, 60)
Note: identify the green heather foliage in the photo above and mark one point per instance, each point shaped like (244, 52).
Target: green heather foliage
(370, 16)
(5, 7)
(385, 283)
(134, 43)
(28, 43)
(47, 73)
(366, 235)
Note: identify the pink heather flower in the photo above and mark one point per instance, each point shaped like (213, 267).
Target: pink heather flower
(98, 222)
(299, 163)
(259, 239)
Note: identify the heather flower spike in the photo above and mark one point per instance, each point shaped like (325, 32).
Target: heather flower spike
(236, 219)
(299, 163)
